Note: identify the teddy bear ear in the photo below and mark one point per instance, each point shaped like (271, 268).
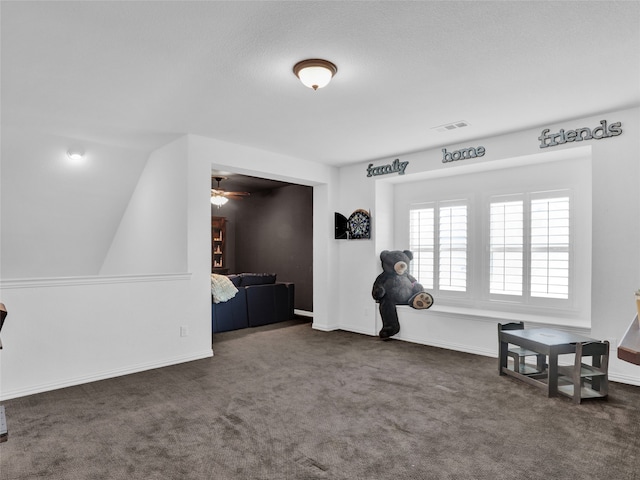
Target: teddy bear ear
(383, 254)
(409, 254)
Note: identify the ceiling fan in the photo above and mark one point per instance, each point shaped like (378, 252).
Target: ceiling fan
(219, 197)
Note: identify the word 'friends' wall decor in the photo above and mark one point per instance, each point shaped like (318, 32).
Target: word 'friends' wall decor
(603, 130)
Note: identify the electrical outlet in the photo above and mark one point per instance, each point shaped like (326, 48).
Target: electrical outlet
(184, 331)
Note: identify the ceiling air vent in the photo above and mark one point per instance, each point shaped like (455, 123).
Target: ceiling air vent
(451, 126)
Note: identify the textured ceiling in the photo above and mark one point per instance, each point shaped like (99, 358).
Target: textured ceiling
(136, 75)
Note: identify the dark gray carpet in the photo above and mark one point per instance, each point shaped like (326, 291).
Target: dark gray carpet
(287, 402)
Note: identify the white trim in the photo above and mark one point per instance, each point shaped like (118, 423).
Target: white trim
(303, 313)
(325, 328)
(627, 379)
(91, 280)
(359, 330)
(577, 326)
(71, 382)
(458, 347)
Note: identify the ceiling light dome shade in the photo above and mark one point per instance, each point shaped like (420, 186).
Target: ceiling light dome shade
(315, 73)
(75, 154)
(219, 200)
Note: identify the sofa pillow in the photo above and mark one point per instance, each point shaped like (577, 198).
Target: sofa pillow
(258, 279)
(235, 279)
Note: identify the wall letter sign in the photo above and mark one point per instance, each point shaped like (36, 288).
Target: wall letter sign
(396, 166)
(601, 131)
(462, 154)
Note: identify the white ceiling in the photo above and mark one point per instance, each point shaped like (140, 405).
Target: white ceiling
(137, 74)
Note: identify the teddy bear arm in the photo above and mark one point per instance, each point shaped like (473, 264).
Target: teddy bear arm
(416, 287)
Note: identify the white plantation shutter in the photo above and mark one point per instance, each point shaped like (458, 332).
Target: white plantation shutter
(515, 240)
(529, 245)
(422, 244)
(452, 254)
(550, 247)
(506, 247)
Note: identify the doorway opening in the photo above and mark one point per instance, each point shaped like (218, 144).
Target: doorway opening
(270, 230)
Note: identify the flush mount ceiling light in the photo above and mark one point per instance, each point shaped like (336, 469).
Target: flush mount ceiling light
(75, 154)
(315, 73)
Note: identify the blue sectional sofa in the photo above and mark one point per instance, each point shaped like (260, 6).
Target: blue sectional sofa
(260, 300)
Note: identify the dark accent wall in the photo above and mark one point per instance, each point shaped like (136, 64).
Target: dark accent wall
(274, 233)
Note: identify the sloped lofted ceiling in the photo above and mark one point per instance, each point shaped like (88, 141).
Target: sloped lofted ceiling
(125, 78)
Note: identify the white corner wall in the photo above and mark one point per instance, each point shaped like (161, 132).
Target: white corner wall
(615, 239)
(64, 331)
(152, 235)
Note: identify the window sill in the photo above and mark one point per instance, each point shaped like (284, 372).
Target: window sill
(493, 315)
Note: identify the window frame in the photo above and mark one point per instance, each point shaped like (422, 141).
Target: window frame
(540, 173)
(435, 287)
(527, 299)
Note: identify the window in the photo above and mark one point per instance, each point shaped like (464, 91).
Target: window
(422, 244)
(439, 227)
(506, 247)
(529, 245)
(550, 247)
(528, 238)
(514, 240)
(452, 247)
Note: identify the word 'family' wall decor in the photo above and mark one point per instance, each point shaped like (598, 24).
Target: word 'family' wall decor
(603, 130)
(357, 226)
(396, 167)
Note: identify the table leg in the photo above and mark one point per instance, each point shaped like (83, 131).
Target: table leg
(552, 377)
(503, 348)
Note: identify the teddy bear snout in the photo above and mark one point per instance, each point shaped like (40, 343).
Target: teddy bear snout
(400, 267)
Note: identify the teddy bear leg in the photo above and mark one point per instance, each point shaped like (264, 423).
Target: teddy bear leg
(390, 323)
(421, 300)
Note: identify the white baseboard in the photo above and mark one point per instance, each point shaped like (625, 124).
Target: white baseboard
(359, 329)
(71, 382)
(325, 328)
(628, 379)
(450, 346)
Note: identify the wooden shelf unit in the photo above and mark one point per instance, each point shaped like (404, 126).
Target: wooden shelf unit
(218, 238)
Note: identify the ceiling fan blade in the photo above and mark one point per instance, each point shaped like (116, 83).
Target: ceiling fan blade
(219, 192)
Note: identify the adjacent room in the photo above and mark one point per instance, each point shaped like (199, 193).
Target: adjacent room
(262, 243)
(320, 240)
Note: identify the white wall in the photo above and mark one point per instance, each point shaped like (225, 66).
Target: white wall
(152, 235)
(210, 153)
(67, 330)
(46, 230)
(615, 239)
